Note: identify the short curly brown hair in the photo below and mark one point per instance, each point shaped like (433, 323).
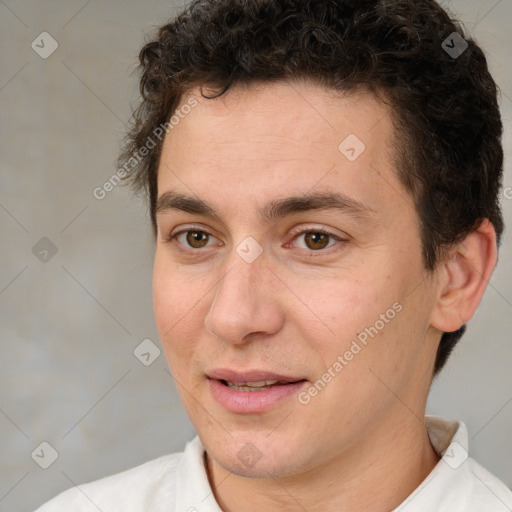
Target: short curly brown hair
(448, 124)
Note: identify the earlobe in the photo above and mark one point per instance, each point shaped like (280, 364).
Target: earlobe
(463, 278)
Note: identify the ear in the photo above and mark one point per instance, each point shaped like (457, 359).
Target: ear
(463, 278)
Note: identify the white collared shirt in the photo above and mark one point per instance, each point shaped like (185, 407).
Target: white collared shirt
(179, 483)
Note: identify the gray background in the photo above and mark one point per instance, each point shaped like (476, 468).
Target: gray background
(69, 326)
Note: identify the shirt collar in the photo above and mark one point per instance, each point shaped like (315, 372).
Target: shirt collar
(441, 489)
(193, 491)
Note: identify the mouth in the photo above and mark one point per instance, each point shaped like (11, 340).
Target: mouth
(255, 386)
(252, 391)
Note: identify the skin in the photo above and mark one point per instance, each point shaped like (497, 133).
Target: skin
(298, 307)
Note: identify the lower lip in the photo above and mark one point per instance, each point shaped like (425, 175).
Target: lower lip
(245, 402)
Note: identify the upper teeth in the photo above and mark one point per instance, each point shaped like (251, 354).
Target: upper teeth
(249, 386)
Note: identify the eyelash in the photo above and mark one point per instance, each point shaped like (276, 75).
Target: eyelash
(312, 252)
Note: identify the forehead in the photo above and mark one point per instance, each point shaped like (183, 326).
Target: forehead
(258, 140)
(296, 110)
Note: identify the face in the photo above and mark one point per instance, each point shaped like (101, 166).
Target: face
(289, 290)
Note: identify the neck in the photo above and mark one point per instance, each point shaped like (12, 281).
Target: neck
(378, 474)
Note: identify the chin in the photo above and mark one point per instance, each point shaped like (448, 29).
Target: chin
(263, 468)
(255, 456)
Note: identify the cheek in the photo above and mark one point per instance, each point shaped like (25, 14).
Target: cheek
(360, 318)
(174, 295)
(165, 305)
(176, 305)
(341, 307)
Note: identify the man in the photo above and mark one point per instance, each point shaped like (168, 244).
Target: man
(323, 182)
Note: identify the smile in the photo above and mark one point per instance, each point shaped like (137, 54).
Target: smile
(253, 393)
(253, 386)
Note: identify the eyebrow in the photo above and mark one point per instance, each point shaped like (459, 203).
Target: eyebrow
(273, 210)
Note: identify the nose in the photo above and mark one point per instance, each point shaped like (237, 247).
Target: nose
(246, 302)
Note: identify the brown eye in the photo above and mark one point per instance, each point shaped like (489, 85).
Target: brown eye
(192, 240)
(316, 240)
(196, 239)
